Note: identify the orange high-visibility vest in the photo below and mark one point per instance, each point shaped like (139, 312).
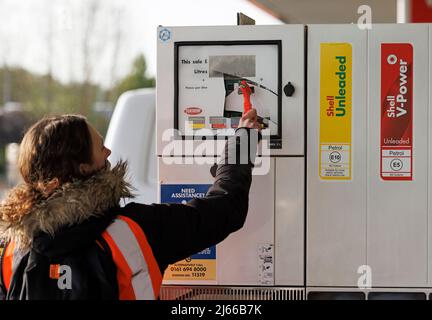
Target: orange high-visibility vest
(138, 274)
(7, 266)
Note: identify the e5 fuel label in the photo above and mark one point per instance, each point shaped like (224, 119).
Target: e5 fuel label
(335, 111)
(396, 111)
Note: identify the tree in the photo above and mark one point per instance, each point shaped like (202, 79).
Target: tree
(136, 79)
(91, 12)
(118, 37)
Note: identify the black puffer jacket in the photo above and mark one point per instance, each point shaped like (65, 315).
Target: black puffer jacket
(73, 218)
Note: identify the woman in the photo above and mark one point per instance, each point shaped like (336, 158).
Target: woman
(67, 237)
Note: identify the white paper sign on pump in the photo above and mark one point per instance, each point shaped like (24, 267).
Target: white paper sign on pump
(208, 85)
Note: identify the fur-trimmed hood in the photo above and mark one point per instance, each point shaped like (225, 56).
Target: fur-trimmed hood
(72, 204)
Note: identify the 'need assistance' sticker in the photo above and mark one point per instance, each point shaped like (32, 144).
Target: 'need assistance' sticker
(202, 265)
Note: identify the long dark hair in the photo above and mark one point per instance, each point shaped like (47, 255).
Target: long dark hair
(50, 155)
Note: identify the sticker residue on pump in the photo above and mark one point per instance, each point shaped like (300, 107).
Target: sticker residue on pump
(266, 264)
(335, 111)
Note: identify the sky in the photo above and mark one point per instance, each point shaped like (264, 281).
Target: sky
(42, 35)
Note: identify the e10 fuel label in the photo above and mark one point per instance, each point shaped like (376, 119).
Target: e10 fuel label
(396, 111)
(335, 111)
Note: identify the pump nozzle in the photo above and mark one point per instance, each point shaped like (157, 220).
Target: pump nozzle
(246, 91)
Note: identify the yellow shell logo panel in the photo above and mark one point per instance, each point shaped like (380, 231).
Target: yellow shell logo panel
(335, 111)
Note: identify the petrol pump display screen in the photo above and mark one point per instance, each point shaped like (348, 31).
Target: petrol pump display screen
(210, 82)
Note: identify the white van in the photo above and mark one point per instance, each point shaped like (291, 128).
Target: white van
(134, 118)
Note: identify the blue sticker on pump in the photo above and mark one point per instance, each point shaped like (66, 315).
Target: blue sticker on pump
(209, 253)
(182, 193)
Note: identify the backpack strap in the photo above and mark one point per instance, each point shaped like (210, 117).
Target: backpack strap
(138, 274)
